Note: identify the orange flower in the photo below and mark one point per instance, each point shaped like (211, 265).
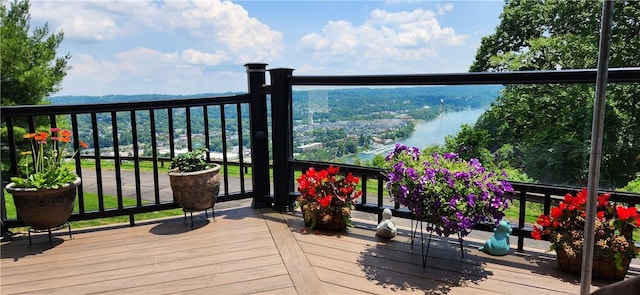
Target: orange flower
(41, 136)
(49, 169)
(65, 133)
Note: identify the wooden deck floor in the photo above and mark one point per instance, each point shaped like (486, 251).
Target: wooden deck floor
(247, 251)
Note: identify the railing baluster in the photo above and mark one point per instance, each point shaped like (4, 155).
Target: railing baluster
(77, 161)
(116, 158)
(223, 132)
(136, 158)
(240, 147)
(154, 156)
(187, 112)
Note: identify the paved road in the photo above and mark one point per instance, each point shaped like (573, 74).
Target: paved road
(147, 190)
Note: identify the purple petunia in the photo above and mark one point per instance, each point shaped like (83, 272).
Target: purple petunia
(447, 192)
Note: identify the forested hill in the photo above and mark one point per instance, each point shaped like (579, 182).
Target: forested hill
(344, 101)
(82, 99)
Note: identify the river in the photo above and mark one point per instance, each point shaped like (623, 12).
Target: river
(431, 132)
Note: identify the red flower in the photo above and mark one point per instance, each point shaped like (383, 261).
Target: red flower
(536, 233)
(352, 179)
(614, 226)
(556, 212)
(326, 191)
(603, 200)
(544, 220)
(626, 213)
(333, 170)
(324, 202)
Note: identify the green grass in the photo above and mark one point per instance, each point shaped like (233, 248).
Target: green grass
(91, 199)
(91, 204)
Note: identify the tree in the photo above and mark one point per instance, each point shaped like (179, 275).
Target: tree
(550, 125)
(30, 69)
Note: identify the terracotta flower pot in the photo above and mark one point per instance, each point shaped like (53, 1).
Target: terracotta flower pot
(603, 267)
(323, 220)
(44, 208)
(196, 191)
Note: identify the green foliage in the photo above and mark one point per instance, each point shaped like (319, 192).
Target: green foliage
(634, 185)
(191, 161)
(469, 143)
(550, 125)
(45, 165)
(29, 67)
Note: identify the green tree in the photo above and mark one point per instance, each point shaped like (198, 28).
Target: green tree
(550, 125)
(30, 69)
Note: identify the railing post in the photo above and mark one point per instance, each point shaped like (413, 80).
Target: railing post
(259, 140)
(282, 137)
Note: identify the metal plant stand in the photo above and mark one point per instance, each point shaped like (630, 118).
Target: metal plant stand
(49, 230)
(425, 255)
(205, 213)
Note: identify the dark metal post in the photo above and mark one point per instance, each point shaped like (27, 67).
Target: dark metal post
(259, 140)
(282, 127)
(596, 146)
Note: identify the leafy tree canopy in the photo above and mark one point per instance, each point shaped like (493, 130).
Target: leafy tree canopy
(30, 69)
(549, 126)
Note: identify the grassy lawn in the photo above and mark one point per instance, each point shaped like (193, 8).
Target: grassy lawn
(91, 204)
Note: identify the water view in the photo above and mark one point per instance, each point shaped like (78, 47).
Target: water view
(429, 132)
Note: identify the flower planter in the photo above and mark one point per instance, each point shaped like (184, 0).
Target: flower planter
(44, 208)
(328, 221)
(603, 267)
(196, 191)
(326, 198)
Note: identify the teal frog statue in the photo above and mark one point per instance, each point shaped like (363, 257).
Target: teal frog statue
(498, 245)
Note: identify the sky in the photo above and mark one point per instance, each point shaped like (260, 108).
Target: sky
(182, 47)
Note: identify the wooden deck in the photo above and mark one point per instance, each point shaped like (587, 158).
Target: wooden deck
(247, 251)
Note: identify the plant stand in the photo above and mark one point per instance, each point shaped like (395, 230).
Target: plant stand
(48, 230)
(425, 255)
(191, 214)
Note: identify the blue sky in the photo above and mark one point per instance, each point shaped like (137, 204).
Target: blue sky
(191, 47)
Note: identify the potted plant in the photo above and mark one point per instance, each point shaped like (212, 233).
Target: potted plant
(45, 192)
(195, 182)
(450, 194)
(327, 198)
(614, 225)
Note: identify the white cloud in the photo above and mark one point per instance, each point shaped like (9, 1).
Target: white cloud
(195, 57)
(144, 70)
(170, 42)
(443, 9)
(406, 36)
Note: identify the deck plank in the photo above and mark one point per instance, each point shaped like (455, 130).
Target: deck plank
(251, 251)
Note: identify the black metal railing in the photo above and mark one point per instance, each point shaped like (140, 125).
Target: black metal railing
(283, 82)
(123, 117)
(216, 116)
(267, 140)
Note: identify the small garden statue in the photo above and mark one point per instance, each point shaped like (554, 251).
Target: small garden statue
(387, 228)
(498, 245)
